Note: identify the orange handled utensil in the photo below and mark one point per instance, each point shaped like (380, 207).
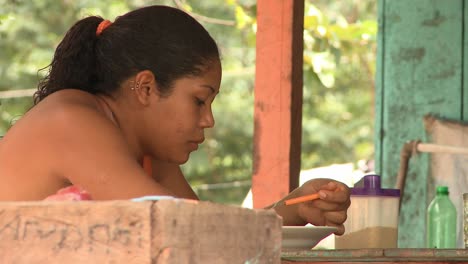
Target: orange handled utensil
(301, 199)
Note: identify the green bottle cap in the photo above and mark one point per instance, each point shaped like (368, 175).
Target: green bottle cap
(442, 190)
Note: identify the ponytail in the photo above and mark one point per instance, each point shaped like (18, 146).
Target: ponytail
(165, 40)
(74, 62)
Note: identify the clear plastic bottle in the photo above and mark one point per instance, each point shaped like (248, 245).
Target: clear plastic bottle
(441, 221)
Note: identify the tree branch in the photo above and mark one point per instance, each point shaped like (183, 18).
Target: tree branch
(199, 17)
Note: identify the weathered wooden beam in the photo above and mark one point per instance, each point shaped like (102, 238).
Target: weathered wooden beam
(278, 99)
(374, 255)
(166, 231)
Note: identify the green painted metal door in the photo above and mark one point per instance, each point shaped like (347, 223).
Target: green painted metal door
(419, 71)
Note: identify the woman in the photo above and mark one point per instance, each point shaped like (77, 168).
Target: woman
(119, 92)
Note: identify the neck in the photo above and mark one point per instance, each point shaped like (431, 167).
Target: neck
(121, 120)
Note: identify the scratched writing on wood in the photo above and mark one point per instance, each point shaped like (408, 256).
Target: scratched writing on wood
(113, 231)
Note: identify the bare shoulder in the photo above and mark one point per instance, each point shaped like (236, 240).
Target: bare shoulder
(30, 160)
(75, 118)
(67, 118)
(79, 143)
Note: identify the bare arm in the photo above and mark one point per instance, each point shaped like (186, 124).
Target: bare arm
(171, 177)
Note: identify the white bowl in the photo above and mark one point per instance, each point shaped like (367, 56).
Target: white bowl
(304, 237)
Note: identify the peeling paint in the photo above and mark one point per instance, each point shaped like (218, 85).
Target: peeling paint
(261, 106)
(411, 54)
(436, 102)
(393, 18)
(444, 74)
(435, 21)
(256, 146)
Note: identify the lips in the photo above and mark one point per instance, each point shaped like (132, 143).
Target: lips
(198, 141)
(194, 143)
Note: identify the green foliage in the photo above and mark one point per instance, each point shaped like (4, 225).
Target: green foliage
(29, 33)
(339, 69)
(339, 59)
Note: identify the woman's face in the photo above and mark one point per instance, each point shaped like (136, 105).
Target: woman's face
(179, 119)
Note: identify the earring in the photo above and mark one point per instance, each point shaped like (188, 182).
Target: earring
(137, 86)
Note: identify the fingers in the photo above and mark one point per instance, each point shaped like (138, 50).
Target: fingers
(324, 206)
(330, 209)
(334, 219)
(335, 193)
(314, 220)
(337, 218)
(331, 186)
(334, 201)
(335, 196)
(340, 231)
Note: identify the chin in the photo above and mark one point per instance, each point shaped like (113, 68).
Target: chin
(181, 159)
(180, 162)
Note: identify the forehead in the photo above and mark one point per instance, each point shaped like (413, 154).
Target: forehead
(210, 76)
(213, 71)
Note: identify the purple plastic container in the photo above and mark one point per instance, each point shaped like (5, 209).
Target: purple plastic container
(372, 186)
(372, 216)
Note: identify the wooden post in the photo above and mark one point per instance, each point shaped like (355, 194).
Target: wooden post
(278, 100)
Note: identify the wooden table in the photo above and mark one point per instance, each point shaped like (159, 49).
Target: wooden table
(394, 256)
(123, 231)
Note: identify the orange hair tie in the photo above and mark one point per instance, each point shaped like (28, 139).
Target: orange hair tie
(102, 26)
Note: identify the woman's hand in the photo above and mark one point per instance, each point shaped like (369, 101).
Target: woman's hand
(329, 210)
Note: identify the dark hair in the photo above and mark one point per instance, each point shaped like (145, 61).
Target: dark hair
(164, 40)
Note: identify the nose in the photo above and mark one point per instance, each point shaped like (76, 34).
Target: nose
(207, 120)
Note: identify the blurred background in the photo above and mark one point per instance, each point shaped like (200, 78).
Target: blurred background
(339, 72)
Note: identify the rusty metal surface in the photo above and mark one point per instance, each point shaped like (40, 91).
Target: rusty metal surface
(377, 255)
(367, 262)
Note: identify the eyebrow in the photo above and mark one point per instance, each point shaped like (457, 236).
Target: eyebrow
(209, 87)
